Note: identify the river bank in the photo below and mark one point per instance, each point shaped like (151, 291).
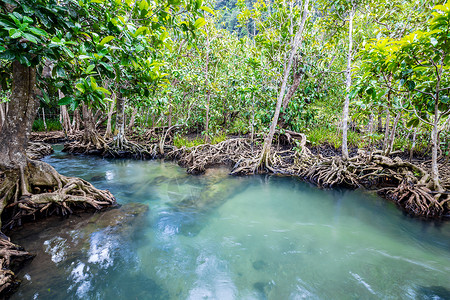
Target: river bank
(403, 181)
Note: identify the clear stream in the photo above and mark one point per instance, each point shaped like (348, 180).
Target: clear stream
(220, 237)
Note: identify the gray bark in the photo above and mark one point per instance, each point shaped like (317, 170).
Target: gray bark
(208, 93)
(348, 84)
(392, 136)
(20, 117)
(295, 44)
(120, 123)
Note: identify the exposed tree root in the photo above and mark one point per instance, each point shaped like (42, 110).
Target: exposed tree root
(33, 191)
(229, 152)
(90, 143)
(51, 137)
(11, 257)
(38, 190)
(130, 149)
(37, 150)
(417, 199)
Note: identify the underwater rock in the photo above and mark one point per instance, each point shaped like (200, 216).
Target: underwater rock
(259, 265)
(263, 289)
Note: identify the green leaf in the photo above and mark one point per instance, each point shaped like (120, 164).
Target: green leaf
(38, 31)
(413, 123)
(80, 87)
(24, 60)
(65, 101)
(15, 33)
(207, 9)
(106, 40)
(30, 37)
(104, 91)
(67, 50)
(140, 30)
(45, 98)
(107, 66)
(93, 83)
(8, 55)
(143, 5)
(28, 20)
(89, 69)
(199, 23)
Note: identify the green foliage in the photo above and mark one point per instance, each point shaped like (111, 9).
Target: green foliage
(180, 141)
(331, 135)
(52, 125)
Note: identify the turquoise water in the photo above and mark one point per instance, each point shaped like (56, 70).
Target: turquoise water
(220, 237)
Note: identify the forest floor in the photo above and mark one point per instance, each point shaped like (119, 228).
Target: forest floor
(404, 181)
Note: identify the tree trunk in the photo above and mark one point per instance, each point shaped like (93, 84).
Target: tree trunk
(253, 119)
(392, 136)
(88, 123)
(386, 130)
(2, 115)
(380, 121)
(132, 119)
(295, 44)
(65, 120)
(348, 84)
(76, 122)
(170, 112)
(64, 117)
(370, 126)
(435, 145)
(43, 119)
(413, 146)
(208, 93)
(120, 124)
(20, 117)
(293, 88)
(108, 132)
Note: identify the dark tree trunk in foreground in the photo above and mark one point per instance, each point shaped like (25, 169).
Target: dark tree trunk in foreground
(20, 117)
(28, 188)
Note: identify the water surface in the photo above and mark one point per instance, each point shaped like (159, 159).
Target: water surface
(221, 237)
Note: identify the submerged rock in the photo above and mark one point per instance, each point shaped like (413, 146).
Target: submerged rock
(259, 265)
